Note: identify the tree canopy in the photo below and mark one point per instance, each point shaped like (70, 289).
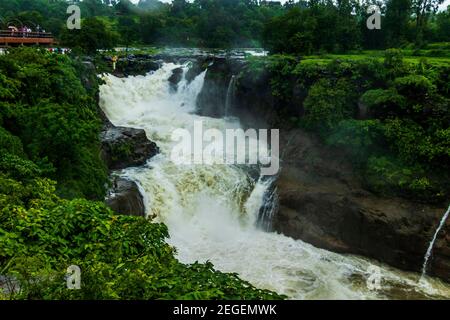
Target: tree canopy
(294, 27)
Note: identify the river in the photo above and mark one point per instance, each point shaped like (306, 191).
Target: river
(211, 210)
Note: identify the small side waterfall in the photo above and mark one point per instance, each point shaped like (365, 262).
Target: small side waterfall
(430, 247)
(269, 206)
(230, 95)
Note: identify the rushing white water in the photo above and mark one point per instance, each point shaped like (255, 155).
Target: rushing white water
(430, 247)
(230, 95)
(212, 210)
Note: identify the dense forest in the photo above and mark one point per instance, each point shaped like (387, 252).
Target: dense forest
(296, 27)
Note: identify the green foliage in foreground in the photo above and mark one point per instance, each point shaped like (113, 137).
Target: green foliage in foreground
(121, 257)
(50, 117)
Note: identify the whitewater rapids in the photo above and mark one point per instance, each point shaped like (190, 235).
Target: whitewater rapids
(211, 210)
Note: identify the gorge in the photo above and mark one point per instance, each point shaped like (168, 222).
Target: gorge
(228, 215)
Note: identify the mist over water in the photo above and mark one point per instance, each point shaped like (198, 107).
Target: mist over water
(212, 210)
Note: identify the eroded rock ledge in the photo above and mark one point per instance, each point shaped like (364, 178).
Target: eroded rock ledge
(323, 203)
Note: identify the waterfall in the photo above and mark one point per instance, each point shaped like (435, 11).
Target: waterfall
(431, 245)
(268, 204)
(221, 213)
(230, 96)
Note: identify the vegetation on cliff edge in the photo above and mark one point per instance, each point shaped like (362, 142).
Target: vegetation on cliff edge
(392, 116)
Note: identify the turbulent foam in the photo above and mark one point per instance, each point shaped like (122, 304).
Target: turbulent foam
(211, 210)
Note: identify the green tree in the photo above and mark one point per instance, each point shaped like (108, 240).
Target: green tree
(94, 34)
(398, 13)
(422, 10)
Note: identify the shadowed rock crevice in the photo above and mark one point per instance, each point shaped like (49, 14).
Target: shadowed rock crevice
(212, 99)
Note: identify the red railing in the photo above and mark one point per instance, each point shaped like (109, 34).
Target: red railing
(21, 34)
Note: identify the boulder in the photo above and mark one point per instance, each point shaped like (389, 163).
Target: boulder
(125, 147)
(175, 78)
(125, 198)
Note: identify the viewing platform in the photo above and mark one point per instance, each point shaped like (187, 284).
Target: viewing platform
(14, 38)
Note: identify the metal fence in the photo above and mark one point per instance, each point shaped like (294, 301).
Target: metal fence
(23, 34)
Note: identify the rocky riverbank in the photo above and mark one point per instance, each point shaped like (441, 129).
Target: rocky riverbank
(125, 197)
(126, 147)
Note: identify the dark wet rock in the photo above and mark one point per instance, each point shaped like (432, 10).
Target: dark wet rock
(126, 147)
(212, 98)
(198, 66)
(132, 66)
(323, 202)
(254, 103)
(125, 198)
(175, 78)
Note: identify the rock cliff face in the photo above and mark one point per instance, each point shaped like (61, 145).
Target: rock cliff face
(211, 100)
(322, 200)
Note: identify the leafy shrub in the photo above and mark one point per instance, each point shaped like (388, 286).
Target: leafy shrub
(383, 103)
(10, 143)
(408, 139)
(55, 117)
(360, 137)
(328, 103)
(388, 176)
(121, 257)
(416, 88)
(393, 62)
(19, 168)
